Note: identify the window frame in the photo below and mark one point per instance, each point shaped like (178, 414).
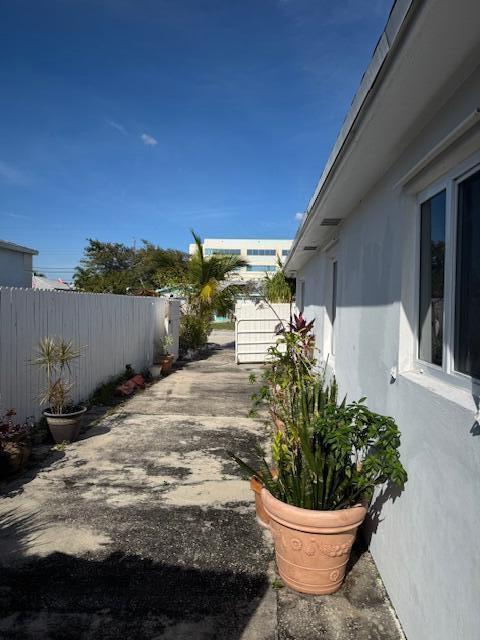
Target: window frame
(450, 183)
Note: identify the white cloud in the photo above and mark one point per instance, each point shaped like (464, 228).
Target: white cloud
(299, 217)
(17, 216)
(148, 140)
(117, 126)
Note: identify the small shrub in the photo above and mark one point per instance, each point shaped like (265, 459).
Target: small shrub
(194, 331)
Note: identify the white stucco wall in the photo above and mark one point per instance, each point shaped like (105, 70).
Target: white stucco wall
(15, 268)
(426, 543)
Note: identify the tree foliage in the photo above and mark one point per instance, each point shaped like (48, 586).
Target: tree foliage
(277, 287)
(209, 289)
(113, 267)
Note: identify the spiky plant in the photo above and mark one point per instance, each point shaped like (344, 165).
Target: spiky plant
(54, 357)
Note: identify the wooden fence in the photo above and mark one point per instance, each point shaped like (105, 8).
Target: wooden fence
(112, 331)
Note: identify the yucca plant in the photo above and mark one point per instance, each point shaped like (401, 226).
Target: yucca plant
(54, 357)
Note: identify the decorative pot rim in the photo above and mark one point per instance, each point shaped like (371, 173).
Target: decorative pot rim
(311, 520)
(74, 414)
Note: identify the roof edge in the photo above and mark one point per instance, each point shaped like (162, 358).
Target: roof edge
(390, 37)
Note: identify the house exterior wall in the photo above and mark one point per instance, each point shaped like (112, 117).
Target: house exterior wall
(425, 542)
(15, 268)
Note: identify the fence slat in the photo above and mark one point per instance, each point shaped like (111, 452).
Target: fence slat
(115, 331)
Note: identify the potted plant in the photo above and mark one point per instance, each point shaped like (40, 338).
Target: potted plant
(166, 359)
(328, 460)
(15, 445)
(55, 357)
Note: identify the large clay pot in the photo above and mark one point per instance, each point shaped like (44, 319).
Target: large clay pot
(65, 427)
(312, 547)
(262, 518)
(14, 457)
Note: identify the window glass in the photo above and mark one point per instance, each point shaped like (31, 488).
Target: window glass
(432, 267)
(222, 252)
(285, 252)
(261, 267)
(261, 252)
(467, 307)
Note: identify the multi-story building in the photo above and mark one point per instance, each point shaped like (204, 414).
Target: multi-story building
(261, 255)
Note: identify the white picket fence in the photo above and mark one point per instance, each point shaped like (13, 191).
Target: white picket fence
(111, 330)
(255, 325)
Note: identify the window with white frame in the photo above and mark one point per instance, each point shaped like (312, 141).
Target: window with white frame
(449, 275)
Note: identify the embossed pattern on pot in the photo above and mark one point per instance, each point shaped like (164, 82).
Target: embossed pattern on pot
(312, 547)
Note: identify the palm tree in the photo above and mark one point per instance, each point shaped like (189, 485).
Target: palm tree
(209, 288)
(278, 288)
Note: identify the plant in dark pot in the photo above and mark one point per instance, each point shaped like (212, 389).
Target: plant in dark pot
(328, 461)
(15, 445)
(55, 357)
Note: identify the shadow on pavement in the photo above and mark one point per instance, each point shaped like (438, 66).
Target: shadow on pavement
(62, 597)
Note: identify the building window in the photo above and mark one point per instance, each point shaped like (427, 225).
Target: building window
(221, 252)
(467, 303)
(261, 252)
(449, 276)
(285, 252)
(261, 267)
(432, 278)
(301, 302)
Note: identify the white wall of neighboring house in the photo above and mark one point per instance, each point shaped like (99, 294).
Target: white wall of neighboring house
(254, 251)
(15, 265)
(425, 541)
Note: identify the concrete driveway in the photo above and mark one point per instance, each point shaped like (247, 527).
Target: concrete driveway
(143, 529)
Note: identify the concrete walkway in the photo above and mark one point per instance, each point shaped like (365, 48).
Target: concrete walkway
(144, 529)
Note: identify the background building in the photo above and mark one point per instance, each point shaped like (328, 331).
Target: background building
(15, 265)
(261, 255)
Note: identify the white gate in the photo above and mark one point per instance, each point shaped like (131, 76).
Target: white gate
(255, 325)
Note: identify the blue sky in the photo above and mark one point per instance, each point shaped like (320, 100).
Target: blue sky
(130, 119)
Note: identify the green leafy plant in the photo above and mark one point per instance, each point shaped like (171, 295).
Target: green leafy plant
(167, 343)
(54, 357)
(194, 332)
(277, 288)
(330, 455)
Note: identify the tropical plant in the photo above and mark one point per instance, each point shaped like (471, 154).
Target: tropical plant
(54, 357)
(289, 360)
(209, 289)
(167, 343)
(330, 455)
(194, 331)
(277, 288)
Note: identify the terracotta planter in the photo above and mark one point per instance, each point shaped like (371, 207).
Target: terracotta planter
(166, 364)
(312, 547)
(262, 518)
(65, 427)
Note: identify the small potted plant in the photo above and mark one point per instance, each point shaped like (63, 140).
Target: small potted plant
(166, 359)
(15, 445)
(55, 357)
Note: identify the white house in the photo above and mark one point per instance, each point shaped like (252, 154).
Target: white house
(261, 255)
(387, 261)
(15, 265)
